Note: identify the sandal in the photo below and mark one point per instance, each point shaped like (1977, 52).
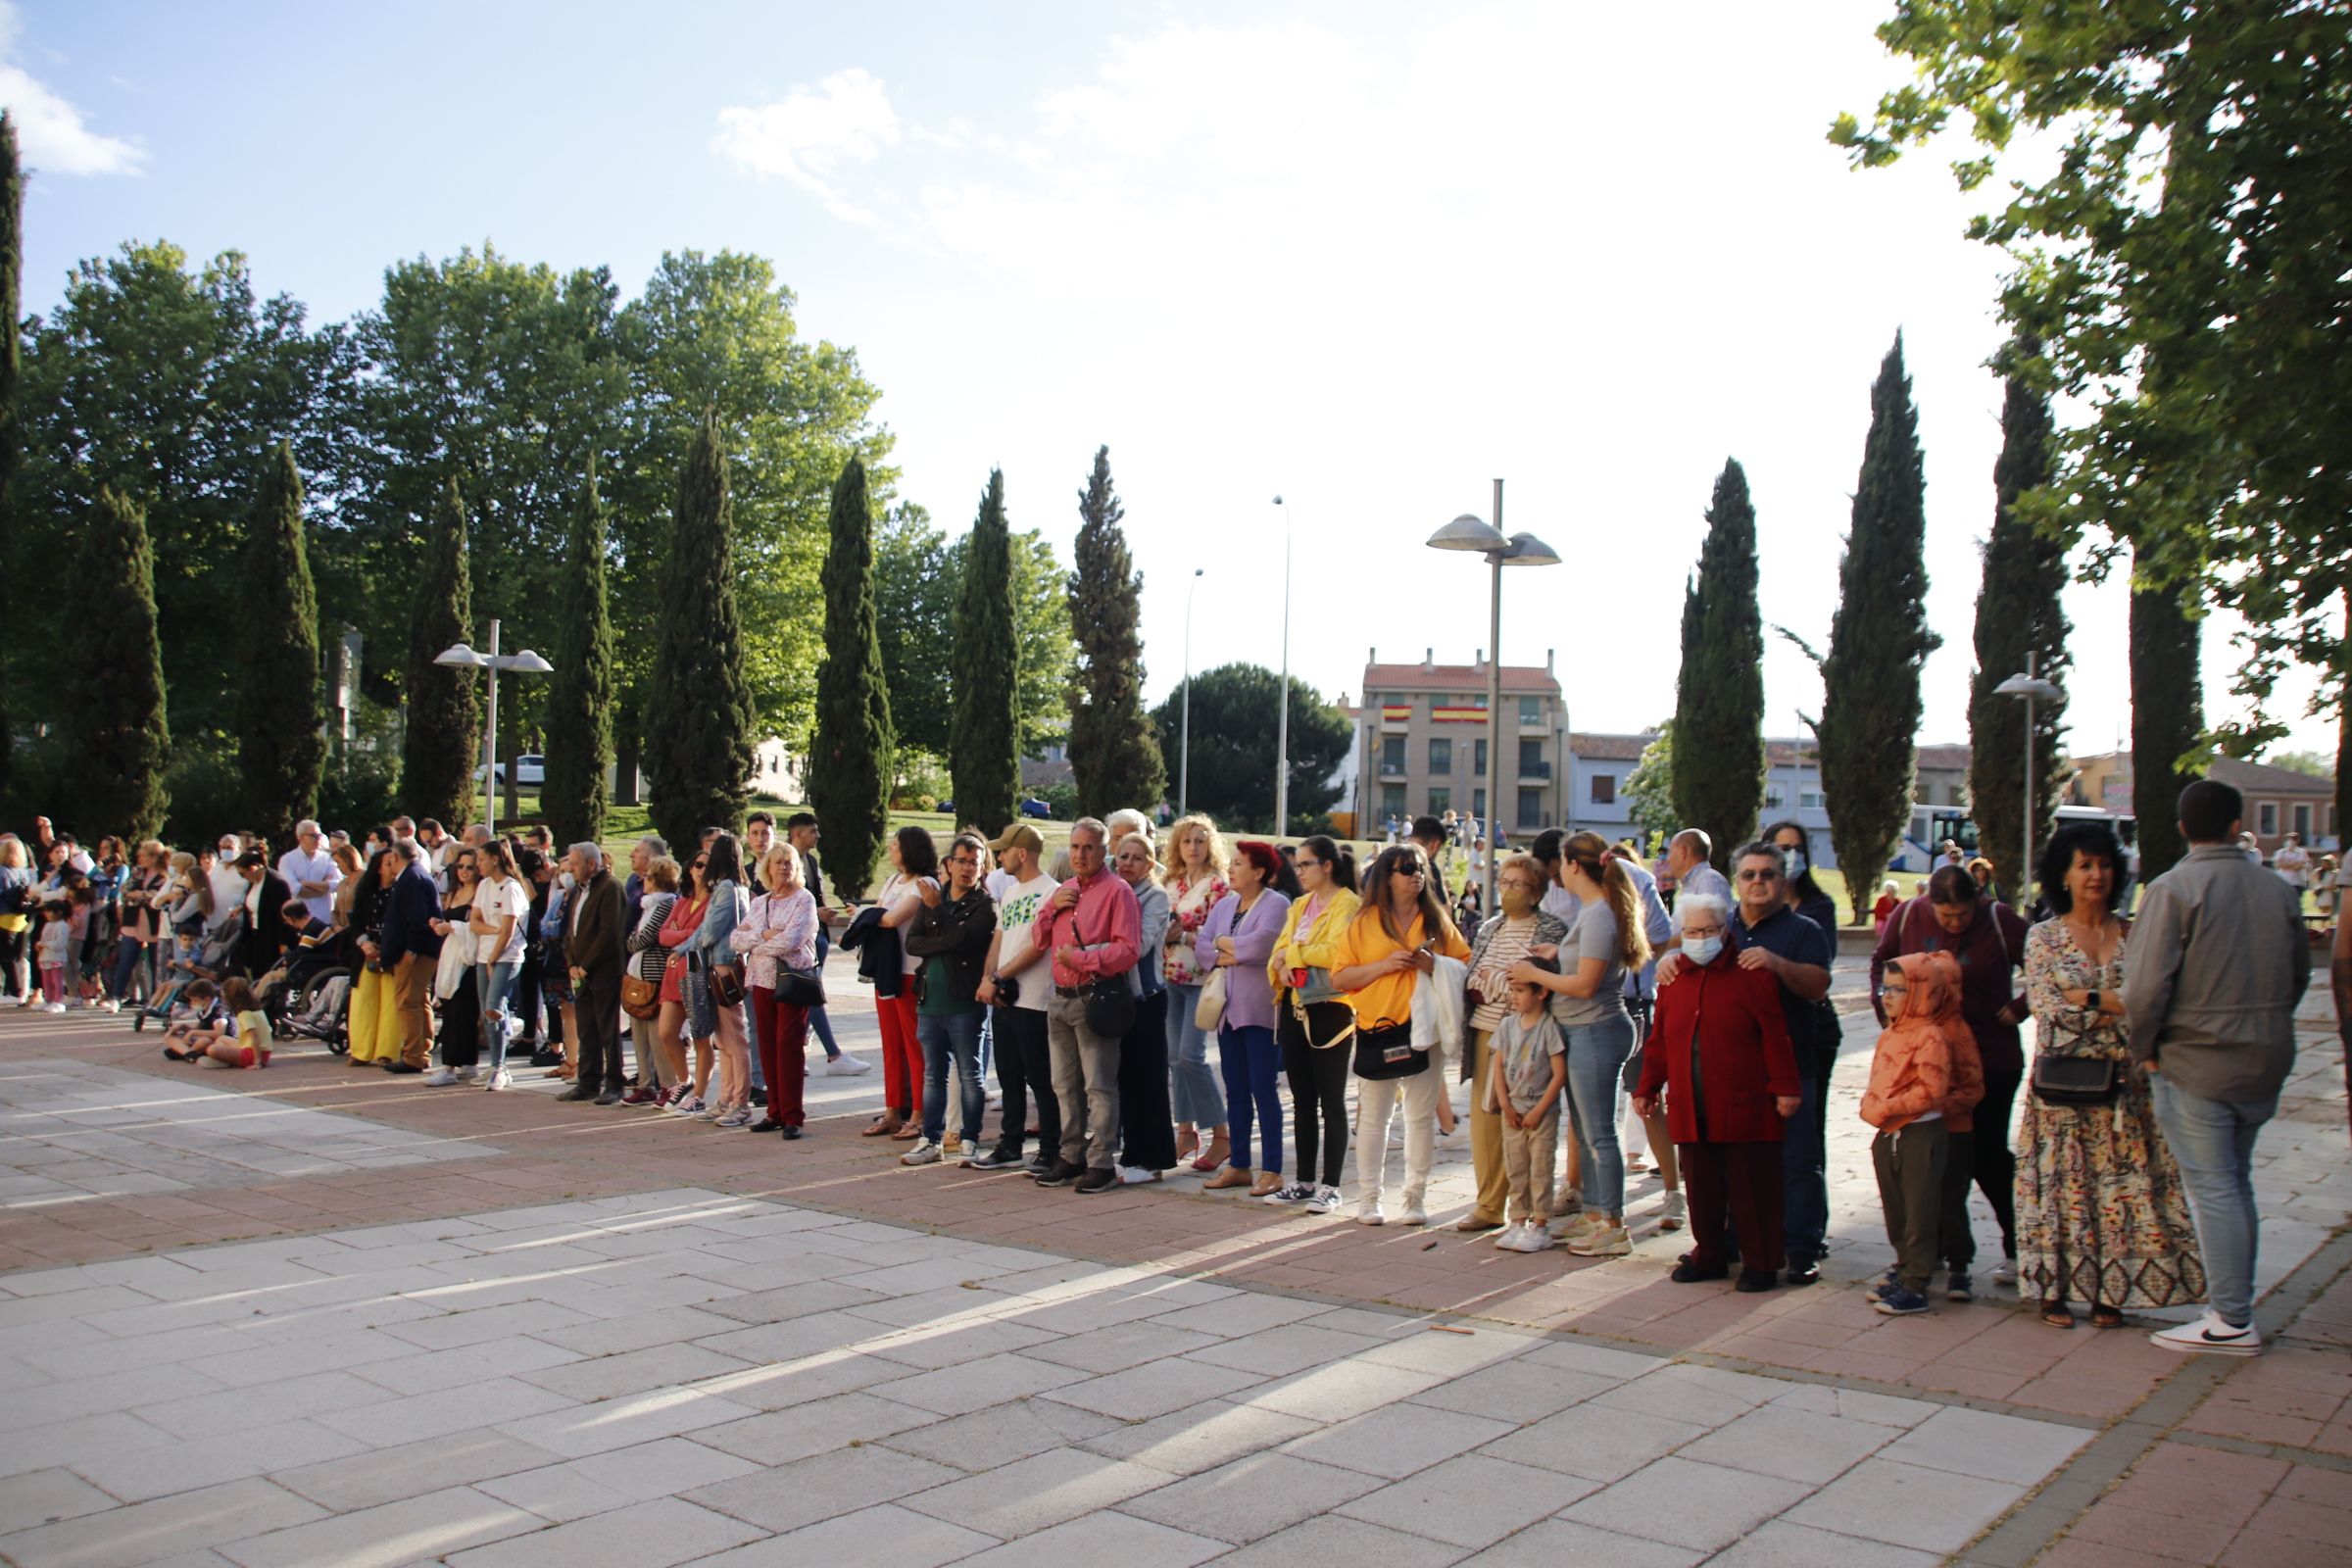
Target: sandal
(2056, 1315)
(885, 1125)
(1215, 1154)
(2106, 1317)
(1187, 1143)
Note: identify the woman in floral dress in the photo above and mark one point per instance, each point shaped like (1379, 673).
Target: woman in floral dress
(2101, 1214)
(1192, 865)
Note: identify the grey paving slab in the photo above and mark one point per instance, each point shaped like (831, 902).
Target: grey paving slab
(843, 1481)
(384, 1475)
(644, 1535)
(1685, 1504)
(1553, 1542)
(1782, 1545)
(1282, 1350)
(797, 1432)
(138, 1475)
(1250, 1498)
(1038, 1493)
(1996, 1448)
(45, 1497)
(1519, 1391)
(632, 1372)
(1118, 1346)
(578, 1430)
(1339, 1390)
(1336, 1539)
(142, 1533)
(1577, 1442)
(1103, 1537)
(885, 1536)
(1154, 1389)
(1396, 1440)
(1200, 1436)
(1468, 1502)
(989, 1380)
(1794, 1445)
(415, 1528)
(991, 1439)
(1903, 1505)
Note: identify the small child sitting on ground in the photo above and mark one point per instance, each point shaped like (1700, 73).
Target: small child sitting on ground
(1910, 1093)
(243, 1041)
(1530, 1064)
(199, 1009)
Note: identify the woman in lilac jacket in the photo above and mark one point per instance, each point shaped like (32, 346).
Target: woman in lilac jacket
(1237, 939)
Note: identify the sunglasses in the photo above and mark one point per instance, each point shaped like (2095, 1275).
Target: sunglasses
(1413, 871)
(701, 865)
(1759, 876)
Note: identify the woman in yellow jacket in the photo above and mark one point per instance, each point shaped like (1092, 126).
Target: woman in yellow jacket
(1313, 1021)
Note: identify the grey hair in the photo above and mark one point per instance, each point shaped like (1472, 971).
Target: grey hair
(655, 844)
(306, 823)
(1095, 823)
(1703, 904)
(1125, 822)
(593, 854)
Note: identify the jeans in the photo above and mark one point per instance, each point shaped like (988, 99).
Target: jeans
(1596, 1055)
(2214, 1142)
(952, 1037)
(1804, 1185)
(1251, 1063)
(1193, 1086)
(1318, 1090)
(496, 985)
(1025, 1067)
(818, 1024)
(130, 958)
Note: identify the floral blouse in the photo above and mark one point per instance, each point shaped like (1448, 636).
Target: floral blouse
(1188, 910)
(779, 930)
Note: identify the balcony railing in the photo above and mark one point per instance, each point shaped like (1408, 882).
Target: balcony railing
(1535, 772)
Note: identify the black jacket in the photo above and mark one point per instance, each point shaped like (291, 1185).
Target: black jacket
(880, 960)
(265, 934)
(957, 930)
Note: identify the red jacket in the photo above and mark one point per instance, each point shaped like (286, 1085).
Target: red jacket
(1719, 1048)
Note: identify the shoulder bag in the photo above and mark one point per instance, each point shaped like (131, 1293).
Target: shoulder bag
(1109, 1005)
(640, 998)
(2077, 1080)
(800, 988)
(1209, 1011)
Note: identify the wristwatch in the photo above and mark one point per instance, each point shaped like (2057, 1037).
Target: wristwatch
(2095, 1002)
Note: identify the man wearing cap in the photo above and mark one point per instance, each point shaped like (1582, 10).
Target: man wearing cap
(1015, 987)
(1092, 927)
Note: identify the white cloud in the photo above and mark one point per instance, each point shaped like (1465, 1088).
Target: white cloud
(49, 129)
(815, 135)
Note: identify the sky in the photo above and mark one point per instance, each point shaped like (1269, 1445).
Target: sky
(1366, 256)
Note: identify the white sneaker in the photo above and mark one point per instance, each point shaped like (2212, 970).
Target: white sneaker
(1534, 1238)
(846, 1065)
(1136, 1176)
(53, 1006)
(1325, 1201)
(501, 1079)
(1602, 1241)
(740, 1116)
(467, 1074)
(2208, 1334)
(1507, 1238)
(1368, 1212)
(1412, 1213)
(1674, 1213)
(1572, 1225)
(687, 1105)
(2005, 1271)
(925, 1152)
(440, 1078)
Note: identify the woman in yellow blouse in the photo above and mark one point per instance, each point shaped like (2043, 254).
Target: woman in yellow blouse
(1381, 959)
(1313, 1021)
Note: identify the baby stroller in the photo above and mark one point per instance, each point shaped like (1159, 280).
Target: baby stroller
(213, 959)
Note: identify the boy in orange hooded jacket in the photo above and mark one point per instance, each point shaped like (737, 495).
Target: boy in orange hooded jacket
(1924, 1074)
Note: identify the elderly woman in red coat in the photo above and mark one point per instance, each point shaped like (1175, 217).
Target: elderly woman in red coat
(1719, 1049)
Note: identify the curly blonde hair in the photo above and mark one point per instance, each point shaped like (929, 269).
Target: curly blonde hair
(1171, 851)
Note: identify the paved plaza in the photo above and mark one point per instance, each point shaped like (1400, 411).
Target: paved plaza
(321, 1315)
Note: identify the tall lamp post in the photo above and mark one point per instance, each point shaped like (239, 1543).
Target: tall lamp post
(1282, 709)
(1184, 752)
(527, 662)
(2033, 688)
(1469, 532)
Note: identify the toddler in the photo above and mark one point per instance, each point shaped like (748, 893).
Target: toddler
(1530, 1064)
(1912, 1080)
(55, 951)
(199, 1010)
(243, 1041)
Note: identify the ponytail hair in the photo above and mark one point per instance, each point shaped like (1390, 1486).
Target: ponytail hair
(1591, 852)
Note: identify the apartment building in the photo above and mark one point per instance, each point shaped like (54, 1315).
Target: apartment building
(1421, 741)
(2279, 800)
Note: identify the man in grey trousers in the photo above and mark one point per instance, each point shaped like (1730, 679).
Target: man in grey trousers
(2218, 961)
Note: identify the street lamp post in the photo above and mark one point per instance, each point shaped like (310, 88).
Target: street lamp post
(2032, 688)
(1282, 709)
(1469, 532)
(1184, 752)
(459, 656)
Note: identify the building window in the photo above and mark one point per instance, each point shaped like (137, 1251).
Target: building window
(1809, 800)
(1923, 792)
(1772, 797)
(2303, 822)
(1530, 809)
(1392, 801)
(1605, 789)
(1478, 804)
(1531, 710)
(1392, 754)
(1955, 793)
(1441, 800)
(2266, 819)
(1478, 757)
(1531, 759)
(1441, 756)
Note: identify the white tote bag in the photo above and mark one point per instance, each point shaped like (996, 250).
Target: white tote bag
(1209, 1010)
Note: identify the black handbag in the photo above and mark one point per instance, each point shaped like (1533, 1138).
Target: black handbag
(798, 989)
(2077, 1080)
(1388, 1054)
(1109, 1007)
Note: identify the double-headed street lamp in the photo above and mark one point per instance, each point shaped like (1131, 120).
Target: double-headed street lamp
(2033, 688)
(527, 662)
(1184, 753)
(1469, 532)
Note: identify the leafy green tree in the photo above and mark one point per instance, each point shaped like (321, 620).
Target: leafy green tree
(2018, 614)
(2191, 225)
(1234, 711)
(916, 580)
(1879, 640)
(985, 759)
(579, 705)
(2168, 716)
(1649, 787)
(442, 741)
(850, 760)
(12, 369)
(1718, 692)
(115, 727)
(1112, 751)
(698, 729)
(2311, 764)
(281, 717)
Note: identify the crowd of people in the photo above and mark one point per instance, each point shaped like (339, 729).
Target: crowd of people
(1605, 1010)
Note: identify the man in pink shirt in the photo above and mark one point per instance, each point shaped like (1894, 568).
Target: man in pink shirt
(1092, 927)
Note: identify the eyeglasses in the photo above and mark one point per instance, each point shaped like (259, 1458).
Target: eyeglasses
(1413, 871)
(699, 866)
(1759, 875)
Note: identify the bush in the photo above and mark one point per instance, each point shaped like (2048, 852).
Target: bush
(1061, 799)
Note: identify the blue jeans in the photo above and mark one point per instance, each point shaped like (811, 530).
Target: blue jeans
(1252, 1061)
(2214, 1142)
(130, 956)
(1192, 1087)
(1804, 1186)
(1596, 1053)
(957, 1036)
(818, 1024)
(751, 1040)
(496, 985)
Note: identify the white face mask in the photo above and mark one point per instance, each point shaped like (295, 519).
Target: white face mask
(566, 881)
(1792, 862)
(1703, 950)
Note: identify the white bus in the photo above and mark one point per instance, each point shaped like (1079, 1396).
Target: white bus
(1933, 826)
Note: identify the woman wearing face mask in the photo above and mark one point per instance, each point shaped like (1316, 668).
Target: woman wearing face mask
(1504, 940)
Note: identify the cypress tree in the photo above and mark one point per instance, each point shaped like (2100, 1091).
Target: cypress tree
(281, 717)
(984, 749)
(579, 705)
(2018, 614)
(698, 734)
(12, 433)
(442, 744)
(1113, 755)
(1718, 692)
(115, 730)
(2168, 715)
(850, 760)
(1879, 640)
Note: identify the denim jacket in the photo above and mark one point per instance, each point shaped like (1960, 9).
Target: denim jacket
(709, 946)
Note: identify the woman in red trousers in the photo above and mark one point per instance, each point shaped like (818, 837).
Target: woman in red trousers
(913, 858)
(776, 942)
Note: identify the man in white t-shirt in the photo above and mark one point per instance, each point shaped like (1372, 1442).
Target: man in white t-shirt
(229, 882)
(311, 871)
(2292, 862)
(1015, 989)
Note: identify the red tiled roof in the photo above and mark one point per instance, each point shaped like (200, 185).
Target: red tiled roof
(1611, 748)
(1457, 678)
(2263, 778)
(1944, 759)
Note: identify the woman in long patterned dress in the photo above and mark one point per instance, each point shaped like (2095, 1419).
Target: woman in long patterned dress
(2101, 1214)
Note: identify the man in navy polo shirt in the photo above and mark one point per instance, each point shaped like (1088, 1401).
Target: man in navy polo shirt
(1769, 935)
